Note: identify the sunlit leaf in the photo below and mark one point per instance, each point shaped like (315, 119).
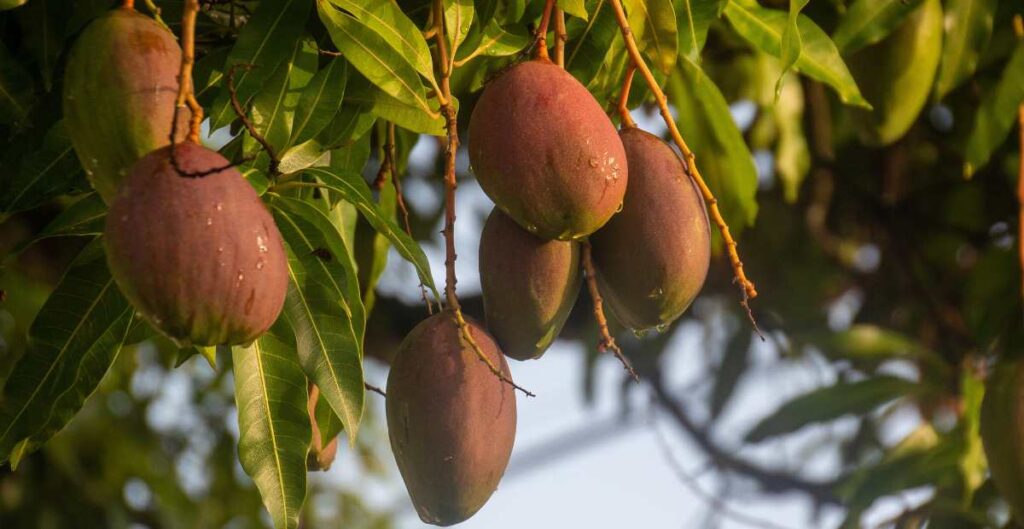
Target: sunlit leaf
(654, 24)
(819, 57)
(723, 158)
(369, 53)
(11, 4)
(386, 20)
(273, 107)
(968, 27)
(870, 21)
(791, 42)
(353, 188)
(266, 40)
(576, 8)
(458, 18)
(694, 17)
(324, 307)
(72, 342)
(996, 114)
(832, 402)
(273, 425)
(319, 101)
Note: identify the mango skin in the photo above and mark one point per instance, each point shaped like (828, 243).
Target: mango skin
(652, 258)
(1002, 431)
(896, 75)
(120, 86)
(452, 423)
(545, 152)
(529, 286)
(200, 258)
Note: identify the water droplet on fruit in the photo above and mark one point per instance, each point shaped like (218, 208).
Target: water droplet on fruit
(531, 228)
(259, 264)
(262, 243)
(241, 276)
(619, 208)
(220, 249)
(209, 221)
(640, 333)
(662, 327)
(656, 293)
(220, 206)
(593, 162)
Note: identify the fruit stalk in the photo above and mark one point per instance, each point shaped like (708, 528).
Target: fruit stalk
(451, 124)
(1020, 194)
(542, 30)
(560, 37)
(607, 343)
(746, 286)
(186, 95)
(627, 83)
(128, 4)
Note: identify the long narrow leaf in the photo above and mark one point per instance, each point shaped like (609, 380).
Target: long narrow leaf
(273, 425)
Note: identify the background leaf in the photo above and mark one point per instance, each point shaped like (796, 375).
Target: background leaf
(870, 21)
(968, 27)
(694, 17)
(654, 24)
(273, 424)
(319, 101)
(996, 114)
(72, 342)
(50, 171)
(16, 95)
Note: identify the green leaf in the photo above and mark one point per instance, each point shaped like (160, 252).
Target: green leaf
(832, 402)
(654, 24)
(266, 40)
(324, 307)
(51, 171)
(353, 189)
(968, 27)
(791, 42)
(576, 8)
(72, 342)
(302, 156)
(43, 32)
(385, 19)
(458, 18)
(382, 105)
(996, 114)
(374, 58)
(694, 17)
(870, 21)
(585, 55)
(85, 217)
(319, 102)
(496, 41)
(903, 469)
(16, 89)
(868, 346)
(732, 368)
(273, 107)
(273, 425)
(819, 58)
(11, 4)
(722, 156)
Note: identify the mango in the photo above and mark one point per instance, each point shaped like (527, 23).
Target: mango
(452, 422)
(120, 85)
(652, 258)
(545, 152)
(200, 258)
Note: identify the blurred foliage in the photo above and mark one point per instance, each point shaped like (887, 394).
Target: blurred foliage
(892, 269)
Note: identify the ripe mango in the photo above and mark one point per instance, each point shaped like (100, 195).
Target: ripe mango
(529, 286)
(545, 152)
(452, 423)
(652, 258)
(200, 258)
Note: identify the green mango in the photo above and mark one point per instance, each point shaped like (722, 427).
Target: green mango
(529, 286)
(120, 86)
(896, 75)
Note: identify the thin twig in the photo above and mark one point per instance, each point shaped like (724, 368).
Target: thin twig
(375, 389)
(241, 113)
(541, 39)
(606, 343)
(770, 480)
(1020, 195)
(749, 291)
(561, 37)
(627, 83)
(713, 501)
(389, 160)
(449, 112)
